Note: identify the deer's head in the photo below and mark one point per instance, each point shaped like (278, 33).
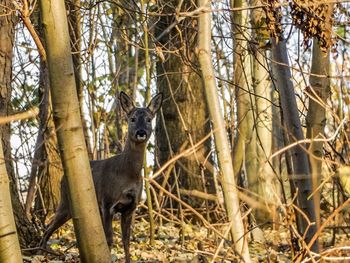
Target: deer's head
(140, 119)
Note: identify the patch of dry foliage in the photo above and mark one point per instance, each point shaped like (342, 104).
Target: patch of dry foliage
(314, 18)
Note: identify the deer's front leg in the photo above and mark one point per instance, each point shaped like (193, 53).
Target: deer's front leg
(107, 218)
(126, 219)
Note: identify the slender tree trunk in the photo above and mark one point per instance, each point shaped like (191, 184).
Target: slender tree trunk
(146, 102)
(38, 148)
(85, 213)
(74, 16)
(245, 148)
(74, 22)
(268, 184)
(26, 232)
(10, 251)
(300, 177)
(113, 128)
(316, 115)
(121, 24)
(220, 135)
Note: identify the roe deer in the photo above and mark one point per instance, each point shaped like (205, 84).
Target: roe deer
(118, 180)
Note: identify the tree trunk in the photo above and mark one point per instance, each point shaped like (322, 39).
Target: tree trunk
(184, 118)
(268, 187)
(300, 177)
(85, 213)
(74, 16)
(125, 77)
(220, 135)
(26, 232)
(74, 22)
(316, 115)
(245, 148)
(9, 245)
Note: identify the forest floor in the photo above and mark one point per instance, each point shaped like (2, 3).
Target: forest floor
(196, 244)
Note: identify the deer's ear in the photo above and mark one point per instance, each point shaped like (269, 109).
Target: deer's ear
(155, 103)
(126, 102)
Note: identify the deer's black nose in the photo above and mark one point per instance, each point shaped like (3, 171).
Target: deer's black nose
(141, 135)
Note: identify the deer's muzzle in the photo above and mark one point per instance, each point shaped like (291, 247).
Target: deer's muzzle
(141, 135)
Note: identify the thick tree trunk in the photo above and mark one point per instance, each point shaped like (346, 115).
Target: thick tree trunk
(26, 232)
(220, 135)
(85, 213)
(184, 118)
(300, 177)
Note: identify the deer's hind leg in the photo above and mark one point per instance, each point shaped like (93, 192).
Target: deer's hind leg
(62, 216)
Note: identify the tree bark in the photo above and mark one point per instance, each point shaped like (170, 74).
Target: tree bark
(184, 118)
(220, 135)
(300, 177)
(85, 213)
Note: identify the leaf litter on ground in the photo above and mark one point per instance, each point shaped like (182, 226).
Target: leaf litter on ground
(195, 244)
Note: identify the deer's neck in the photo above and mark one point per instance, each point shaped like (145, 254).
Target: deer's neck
(134, 153)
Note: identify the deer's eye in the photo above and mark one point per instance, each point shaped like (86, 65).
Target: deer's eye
(133, 119)
(148, 119)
